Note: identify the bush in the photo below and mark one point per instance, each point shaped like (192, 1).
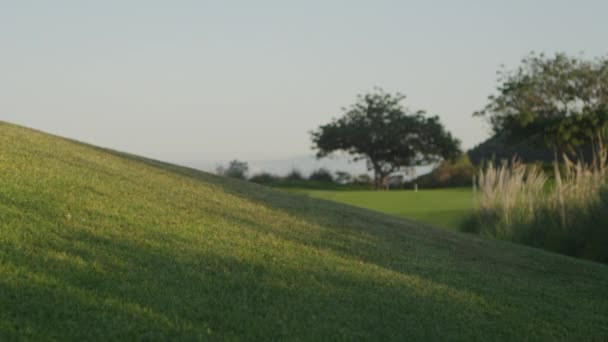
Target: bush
(363, 179)
(321, 175)
(236, 169)
(343, 177)
(294, 175)
(450, 173)
(516, 202)
(264, 178)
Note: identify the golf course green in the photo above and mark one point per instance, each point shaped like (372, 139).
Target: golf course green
(101, 245)
(441, 207)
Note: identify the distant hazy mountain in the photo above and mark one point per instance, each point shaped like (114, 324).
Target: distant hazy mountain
(304, 163)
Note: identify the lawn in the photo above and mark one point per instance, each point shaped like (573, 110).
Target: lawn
(101, 245)
(441, 207)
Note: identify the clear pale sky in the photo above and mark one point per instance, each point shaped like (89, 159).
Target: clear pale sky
(214, 80)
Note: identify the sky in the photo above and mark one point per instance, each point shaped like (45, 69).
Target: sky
(188, 81)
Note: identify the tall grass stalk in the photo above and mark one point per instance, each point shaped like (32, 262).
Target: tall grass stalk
(520, 203)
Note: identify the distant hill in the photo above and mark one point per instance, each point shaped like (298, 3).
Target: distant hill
(498, 148)
(101, 245)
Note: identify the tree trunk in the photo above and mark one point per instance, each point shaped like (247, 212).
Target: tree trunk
(377, 181)
(379, 177)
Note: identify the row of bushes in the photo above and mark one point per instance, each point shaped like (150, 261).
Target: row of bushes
(240, 169)
(321, 175)
(450, 173)
(567, 214)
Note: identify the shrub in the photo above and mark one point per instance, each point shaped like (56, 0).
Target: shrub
(343, 177)
(321, 175)
(450, 173)
(264, 178)
(517, 202)
(236, 169)
(363, 179)
(294, 175)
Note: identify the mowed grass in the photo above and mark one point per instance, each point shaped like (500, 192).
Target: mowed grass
(446, 208)
(99, 245)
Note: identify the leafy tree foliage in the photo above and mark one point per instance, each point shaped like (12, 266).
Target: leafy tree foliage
(389, 137)
(561, 101)
(236, 169)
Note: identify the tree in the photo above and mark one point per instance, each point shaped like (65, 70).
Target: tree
(378, 129)
(560, 101)
(236, 169)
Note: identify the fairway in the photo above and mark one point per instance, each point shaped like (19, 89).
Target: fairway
(101, 245)
(441, 207)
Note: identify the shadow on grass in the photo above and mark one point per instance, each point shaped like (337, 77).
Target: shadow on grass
(449, 219)
(86, 286)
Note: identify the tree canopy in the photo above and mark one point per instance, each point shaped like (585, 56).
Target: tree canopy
(388, 136)
(561, 101)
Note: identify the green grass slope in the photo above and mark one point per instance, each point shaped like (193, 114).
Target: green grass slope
(98, 245)
(441, 207)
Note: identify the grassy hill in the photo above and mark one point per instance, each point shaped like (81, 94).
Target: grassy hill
(96, 244)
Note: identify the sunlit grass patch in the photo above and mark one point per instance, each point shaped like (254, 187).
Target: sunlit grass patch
(445, 208)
